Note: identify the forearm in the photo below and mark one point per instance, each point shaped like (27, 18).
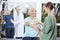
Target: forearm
(3, 21)
(14, 22)
(32, 25)
(35, 27)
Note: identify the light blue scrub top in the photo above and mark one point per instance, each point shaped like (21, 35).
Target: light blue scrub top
(29, 31)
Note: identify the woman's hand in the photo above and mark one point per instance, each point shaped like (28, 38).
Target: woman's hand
(33, 25)
(28, 23)
(11, 21)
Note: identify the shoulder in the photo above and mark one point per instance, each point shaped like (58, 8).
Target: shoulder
(50, 18)
(38, 19)
(47, 19)
(5, 15)
(27, 19)
(11, 15)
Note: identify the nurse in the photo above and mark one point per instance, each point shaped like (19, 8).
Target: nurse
(49, 29)
(31, 26)
(9, 25)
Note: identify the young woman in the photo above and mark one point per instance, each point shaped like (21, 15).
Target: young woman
(49, 29)
(31, 26)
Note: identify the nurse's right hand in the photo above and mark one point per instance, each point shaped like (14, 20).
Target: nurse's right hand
(11, 21)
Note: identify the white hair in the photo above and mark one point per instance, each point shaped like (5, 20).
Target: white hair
(31, 9)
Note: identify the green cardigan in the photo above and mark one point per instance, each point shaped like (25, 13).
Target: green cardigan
(50, 28)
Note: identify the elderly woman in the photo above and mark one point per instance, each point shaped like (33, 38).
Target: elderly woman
(49, 29)
(31, 26)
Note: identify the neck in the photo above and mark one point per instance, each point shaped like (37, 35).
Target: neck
(49, 13)
(32, 17)
(8, 14)
(17, 12)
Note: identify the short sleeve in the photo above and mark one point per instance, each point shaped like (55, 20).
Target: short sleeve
(26, 20)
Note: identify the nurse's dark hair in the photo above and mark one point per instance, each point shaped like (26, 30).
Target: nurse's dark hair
(50, 5)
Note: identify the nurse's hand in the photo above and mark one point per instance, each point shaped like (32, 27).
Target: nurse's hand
(35, 24)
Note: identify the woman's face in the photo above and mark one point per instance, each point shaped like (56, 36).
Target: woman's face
(46, 9)
(17, 9)
(33, 12)
(8, 12)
